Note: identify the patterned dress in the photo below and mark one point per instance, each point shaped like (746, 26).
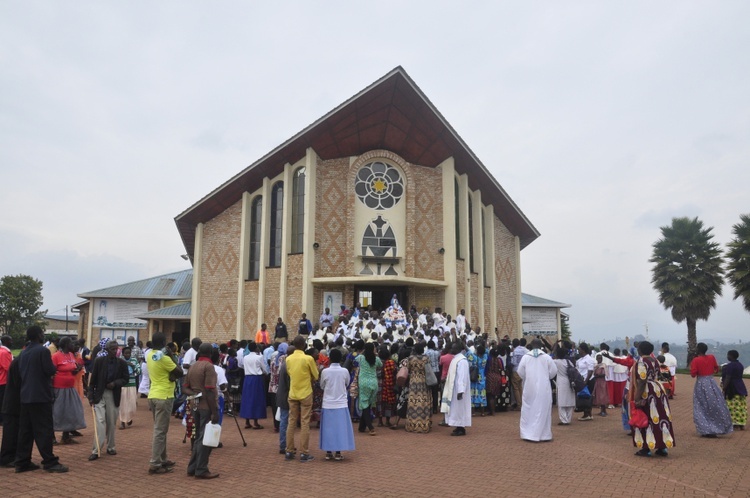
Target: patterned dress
(478, 388)
(650, 396)
(735, 392)
(710, 412)
(419, 409)
(497, 382)
(386, 390)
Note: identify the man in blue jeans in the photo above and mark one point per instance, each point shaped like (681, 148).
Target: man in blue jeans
(282, 401)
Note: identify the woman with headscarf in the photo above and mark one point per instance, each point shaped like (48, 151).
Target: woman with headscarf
(419, 410)
(710, 412)
(273, 384)
(129, 396)
(67, 412)
(648, 395)
(735, 391)
(367, 380)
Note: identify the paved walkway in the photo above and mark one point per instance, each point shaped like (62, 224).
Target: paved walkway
(585, 459)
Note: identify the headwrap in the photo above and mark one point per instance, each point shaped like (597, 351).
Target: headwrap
(103, 345)
(283, 348)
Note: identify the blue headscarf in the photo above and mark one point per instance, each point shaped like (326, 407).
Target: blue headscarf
(103, 345)
(283, 347)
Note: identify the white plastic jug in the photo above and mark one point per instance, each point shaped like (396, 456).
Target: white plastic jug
(211, 435)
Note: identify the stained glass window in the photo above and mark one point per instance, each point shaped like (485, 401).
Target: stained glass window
(379, 185)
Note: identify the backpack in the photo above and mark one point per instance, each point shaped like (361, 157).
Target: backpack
(575, 377)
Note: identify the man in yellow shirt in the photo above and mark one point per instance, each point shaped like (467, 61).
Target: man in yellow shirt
(163, 372)
(302, 372)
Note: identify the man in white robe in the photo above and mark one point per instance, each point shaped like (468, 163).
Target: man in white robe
(536, 369)
(457, 389)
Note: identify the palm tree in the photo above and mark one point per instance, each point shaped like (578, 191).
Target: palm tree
(738, 264)
(687, 273)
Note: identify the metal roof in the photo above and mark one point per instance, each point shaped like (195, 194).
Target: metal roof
(530, 301)
(392, 114)
(177, 312)
(62, 318)
(178, 285)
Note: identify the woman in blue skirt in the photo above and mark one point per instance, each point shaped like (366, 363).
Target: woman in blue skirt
(254, 388)
(336, 433)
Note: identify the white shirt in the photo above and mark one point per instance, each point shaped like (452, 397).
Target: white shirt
(254, 364)
(221, 379)
(460, 323)
(334, 381)
(189, 358)
(671, 362)
(584, 365)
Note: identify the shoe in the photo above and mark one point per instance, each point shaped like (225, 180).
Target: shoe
(57, 468)
(603, 414)
(338, 457)
(27, 468)
(220, 445)
(168, 464)
(329, 456)
(122, 425)
(75, 434)
(584, 419)
(207, 475)
(443, 424)
(710, 436)
(111, 452)
(130, 423)
(257, 427)
(662, 452)
(562, 423)
(54, 442)
(288, 456)
(458, 432)
(68, 440)
(190, 474)
(643, 453)
(372, 432)
(93, 457)
(305, 457)
(160, 470)
(282, 452)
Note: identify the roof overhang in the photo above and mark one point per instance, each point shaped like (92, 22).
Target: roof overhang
(391, 114)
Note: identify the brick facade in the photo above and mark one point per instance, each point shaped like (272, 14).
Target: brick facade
(505, 280)
(220, 264)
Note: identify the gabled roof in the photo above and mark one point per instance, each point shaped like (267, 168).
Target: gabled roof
(391, 114)
(176, 312)
(529, 301)
(178, 285)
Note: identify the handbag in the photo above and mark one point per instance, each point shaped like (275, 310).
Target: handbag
(402, 377)
(638, 417)
(429, 375)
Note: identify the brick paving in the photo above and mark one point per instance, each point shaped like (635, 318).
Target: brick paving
(584, 459)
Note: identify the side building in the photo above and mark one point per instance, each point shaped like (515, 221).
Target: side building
(379, 197)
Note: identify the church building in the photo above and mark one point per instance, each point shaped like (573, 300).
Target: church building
(378, 198)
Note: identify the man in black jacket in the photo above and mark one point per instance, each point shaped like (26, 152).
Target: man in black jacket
(108, 376)
(35, 370)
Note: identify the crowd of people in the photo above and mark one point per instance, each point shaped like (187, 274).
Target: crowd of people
(356, 369)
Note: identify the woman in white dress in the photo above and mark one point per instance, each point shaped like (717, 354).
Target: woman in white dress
(566, 398)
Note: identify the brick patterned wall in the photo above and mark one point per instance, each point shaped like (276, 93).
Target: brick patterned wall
(474, 286)
(271, 306)
(334, 223)
(488, 310)
(425, 224)
(293, 292)
(505, 279)
(250, 323)
(220, 264)
(460, 287)
(427, 297)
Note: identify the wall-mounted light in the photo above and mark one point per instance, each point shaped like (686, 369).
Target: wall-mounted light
(184, 256)
(316, 245)
(441, 250)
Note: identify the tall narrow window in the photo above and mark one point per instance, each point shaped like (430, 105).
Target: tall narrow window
(256, 222)
(458, 218)
(484, 251)
(298, 211)
(277, 218)
(471, 236)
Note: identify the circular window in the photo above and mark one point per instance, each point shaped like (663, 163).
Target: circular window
(379, 185)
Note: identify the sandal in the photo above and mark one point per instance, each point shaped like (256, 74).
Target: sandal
(257, 427)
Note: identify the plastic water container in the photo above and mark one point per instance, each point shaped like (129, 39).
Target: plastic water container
(211, 435)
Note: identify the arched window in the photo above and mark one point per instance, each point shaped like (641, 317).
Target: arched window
(471, 237)
(277, 218)
(458, 219)
(298, 211)
(256, 222)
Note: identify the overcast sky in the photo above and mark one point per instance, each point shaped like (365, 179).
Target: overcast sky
(602, 120)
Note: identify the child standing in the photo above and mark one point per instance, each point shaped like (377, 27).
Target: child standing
(600, 395)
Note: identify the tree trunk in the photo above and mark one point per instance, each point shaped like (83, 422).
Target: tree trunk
(692, 340)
